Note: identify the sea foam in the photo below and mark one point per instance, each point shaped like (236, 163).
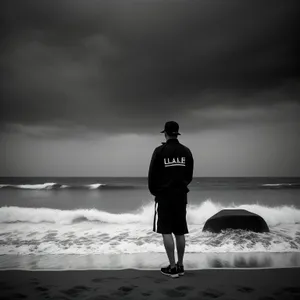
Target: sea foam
(196, 214)
(39, 231)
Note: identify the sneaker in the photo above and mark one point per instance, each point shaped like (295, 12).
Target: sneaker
(172, 272)
(180, 269)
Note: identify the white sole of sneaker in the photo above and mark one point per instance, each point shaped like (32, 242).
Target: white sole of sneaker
(170, 275)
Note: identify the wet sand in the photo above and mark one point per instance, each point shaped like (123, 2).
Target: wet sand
(262, 284)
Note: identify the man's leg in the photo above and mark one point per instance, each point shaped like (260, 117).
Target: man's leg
(169, 246)
(180, 245)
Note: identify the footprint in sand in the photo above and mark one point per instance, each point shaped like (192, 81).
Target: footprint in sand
(184, 288)
(211, 293)
(127, 289)
(19, 296)
(174, 293)
(180, 291)
(100, 297)
(97, 280)
(124, 290)
(245, 289)
(289, 289)
(58, 297)
(76, 290)
(41, 289)
(292, 289)
(34, 281)
(160, 280)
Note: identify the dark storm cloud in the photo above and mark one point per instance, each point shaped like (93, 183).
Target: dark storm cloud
(127, 65)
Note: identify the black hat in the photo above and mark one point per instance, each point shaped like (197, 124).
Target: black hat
(171, 127)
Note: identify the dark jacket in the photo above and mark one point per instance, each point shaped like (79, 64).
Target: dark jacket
(171, 169)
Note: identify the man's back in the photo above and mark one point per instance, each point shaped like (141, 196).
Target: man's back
(171, 169)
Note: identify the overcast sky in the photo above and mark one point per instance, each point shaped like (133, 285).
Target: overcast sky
(86, 86)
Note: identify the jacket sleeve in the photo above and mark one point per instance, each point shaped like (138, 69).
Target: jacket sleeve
(153, 173)
(190, 168)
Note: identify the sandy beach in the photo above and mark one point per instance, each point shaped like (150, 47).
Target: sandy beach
(263, 284)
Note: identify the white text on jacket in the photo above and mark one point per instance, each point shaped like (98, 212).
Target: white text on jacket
(174, 162)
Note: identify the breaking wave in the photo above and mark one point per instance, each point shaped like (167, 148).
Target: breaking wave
(46, 231)
(281, 185)
(57, 186)
(196, 215)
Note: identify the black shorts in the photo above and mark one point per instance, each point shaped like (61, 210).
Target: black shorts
(171, 217)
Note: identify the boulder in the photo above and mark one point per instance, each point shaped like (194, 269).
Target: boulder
(235, 219)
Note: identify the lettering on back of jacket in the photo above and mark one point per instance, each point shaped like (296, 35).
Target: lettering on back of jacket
(174, 162)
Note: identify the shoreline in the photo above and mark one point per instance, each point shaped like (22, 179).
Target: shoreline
(224, 284)
(150, 261)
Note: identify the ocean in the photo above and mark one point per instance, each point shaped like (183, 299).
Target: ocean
(106, 223)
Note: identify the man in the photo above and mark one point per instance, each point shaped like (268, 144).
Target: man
(170, 172)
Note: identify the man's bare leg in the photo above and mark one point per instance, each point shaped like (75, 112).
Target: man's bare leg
(169, 246)
(180, 245)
